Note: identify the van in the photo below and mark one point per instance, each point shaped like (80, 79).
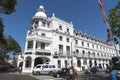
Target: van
(44, 69)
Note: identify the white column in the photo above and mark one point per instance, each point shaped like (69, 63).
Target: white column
(24, 62)
(102, 63)
(88, 60)
(93, 63)
(32, 64)
(34, 46)
(105, 64)
(26, 45)
(82, 62)
(97, 61)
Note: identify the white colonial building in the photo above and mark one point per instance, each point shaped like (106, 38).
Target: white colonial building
(55, 41)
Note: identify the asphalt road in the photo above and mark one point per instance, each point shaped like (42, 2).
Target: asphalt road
(5, 76)
(93, 77)
(18, 76)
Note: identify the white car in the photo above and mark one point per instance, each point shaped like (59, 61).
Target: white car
(44, 69)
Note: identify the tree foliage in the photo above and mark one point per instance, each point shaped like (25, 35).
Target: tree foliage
(114, 19)
(7, 6)
(7, 43)
(2, 40)
(11, 46)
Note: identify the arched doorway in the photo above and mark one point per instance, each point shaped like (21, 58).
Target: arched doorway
(28, 62)
(38, 61)
(90, 63)
(78, 63)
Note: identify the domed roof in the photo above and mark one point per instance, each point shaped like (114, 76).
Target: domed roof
(41, 12)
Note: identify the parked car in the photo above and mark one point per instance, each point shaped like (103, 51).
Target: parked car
(64, 72)
(87, 71)
(44, 69)
(93, 70)
(107, 70)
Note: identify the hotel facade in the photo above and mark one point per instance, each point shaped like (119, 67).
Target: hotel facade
(55, 41)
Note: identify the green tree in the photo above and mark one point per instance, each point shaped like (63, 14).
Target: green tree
(2, 40)
(11, 46)
(114, 19)
(6, 7)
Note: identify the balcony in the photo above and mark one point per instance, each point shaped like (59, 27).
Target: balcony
(39, 38)
(42, 52)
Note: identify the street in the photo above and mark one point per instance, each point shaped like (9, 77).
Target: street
(22, 76)
(6, 76)
(93, 77)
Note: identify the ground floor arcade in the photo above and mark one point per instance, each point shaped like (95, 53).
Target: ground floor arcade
(30, 61)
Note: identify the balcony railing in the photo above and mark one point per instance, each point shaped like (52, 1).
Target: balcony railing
(40, 38)
(42, 52)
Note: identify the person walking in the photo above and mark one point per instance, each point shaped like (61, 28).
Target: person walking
(72, 72)
(113, 75)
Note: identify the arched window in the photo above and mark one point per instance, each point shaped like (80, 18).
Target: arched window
(28, 62)
(83, 53)
(77, 51)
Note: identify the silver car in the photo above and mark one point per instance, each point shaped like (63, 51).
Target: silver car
(44, 69)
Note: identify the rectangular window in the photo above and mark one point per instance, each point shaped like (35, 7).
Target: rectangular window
(43, 34)
(43, 23)
(82, 43)
(30, 44)
(68, 31)
(42, 45)
(65, 64)
(68, 50)
(76, 42)
(59, 64)
(97, 46)
(67, 39)
(88, 44)
(92, 45)
(60, 49)
(60, 38)
(36, 24)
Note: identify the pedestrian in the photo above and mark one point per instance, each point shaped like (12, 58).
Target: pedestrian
(113, 75)
(20, 69)
(72, 72)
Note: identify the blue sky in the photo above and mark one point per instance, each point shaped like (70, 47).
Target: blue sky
(85, 15)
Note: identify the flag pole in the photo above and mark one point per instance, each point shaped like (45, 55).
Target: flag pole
(109, 32)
